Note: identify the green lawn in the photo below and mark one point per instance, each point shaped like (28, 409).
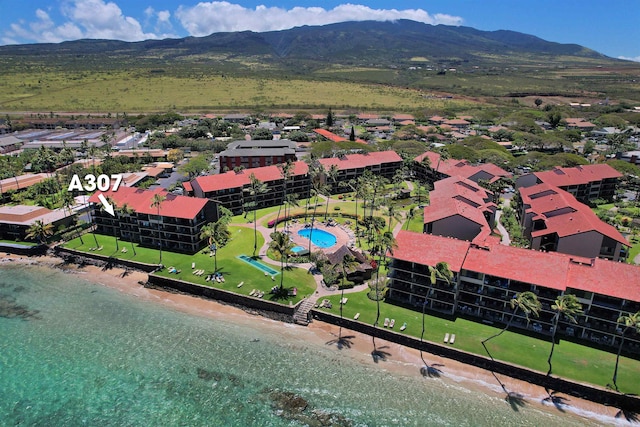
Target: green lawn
(570, 360)
(233, 269)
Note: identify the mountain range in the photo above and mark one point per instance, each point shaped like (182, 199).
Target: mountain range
(366, 43)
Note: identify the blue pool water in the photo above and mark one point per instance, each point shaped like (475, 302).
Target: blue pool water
(320, 238)
(258, 265)
(297, 249)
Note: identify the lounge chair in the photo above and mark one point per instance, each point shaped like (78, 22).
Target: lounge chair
(206, 279)
(392, 323)
(252, 292)
(240, 284)
(218, 279)
(193, 265)
(221, 278)
(446, 337)
(386, 322)
(356, 316)
(404, 326)
(452, 339)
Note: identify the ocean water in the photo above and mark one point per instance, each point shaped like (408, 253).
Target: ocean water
(73, 353)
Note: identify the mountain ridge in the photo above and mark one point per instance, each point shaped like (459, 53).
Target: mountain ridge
(356, 42)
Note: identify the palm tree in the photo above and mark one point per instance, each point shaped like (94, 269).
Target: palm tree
(527, 302)
(392, 213)
(282, 245)
(318, 187)
(411, 213)
(116, 229)
(387, 243)
(332, 176)
(126, 210)
(286, 170)
(443, 272)
(255, 189)
(155, 203)
(629, 321)
(567, 306)
(207, 232)
(40, 230)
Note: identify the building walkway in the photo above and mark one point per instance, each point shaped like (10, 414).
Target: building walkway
(506, 240)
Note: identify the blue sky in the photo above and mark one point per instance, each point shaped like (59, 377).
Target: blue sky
(611, 27)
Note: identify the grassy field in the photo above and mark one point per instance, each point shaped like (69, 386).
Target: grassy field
(570, 360)
(119, 91)
(233, 269)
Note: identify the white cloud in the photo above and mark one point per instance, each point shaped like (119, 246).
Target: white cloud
(95, 19)
(635, 58)
(206, 18)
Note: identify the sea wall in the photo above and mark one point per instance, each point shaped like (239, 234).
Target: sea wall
(585, 391)
(79, 257)
(223, 295)
(27, 250)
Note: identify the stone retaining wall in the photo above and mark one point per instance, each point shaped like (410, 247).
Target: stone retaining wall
(584, 391)
(79, 257)
(223, 295)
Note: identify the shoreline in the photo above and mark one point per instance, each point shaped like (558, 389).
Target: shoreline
(403, 361)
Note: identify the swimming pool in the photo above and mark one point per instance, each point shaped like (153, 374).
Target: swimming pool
(297, 249)
(320, 238)
(257, 264)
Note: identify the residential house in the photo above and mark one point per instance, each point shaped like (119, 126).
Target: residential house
(9, 144)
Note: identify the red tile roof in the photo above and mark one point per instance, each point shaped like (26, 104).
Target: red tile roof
(604, 277)
(453, 167)
(330, 135)
(561, 177)
(140, 201)
(547, 269)
(539, 268)
(563, 214)
(232, 179)
(427, 249)
(356, 161)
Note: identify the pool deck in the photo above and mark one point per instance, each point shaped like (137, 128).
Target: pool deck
(344, 236)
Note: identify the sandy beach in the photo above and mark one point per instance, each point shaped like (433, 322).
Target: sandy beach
(401, 360)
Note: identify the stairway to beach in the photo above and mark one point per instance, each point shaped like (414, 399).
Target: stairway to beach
(301, 316)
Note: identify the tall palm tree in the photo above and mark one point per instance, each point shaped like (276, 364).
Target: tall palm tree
(629, 321)
(39, 230)
(387, 243)
(528, 303)
(255, 189)
(126, 211)
(332, 177)
(116, 229)
(318, 186)
(208, 232)
(282, 245)
(286, 170)
(443, 272)
(392, 213)
(565, 306)
(156, 202)
(411, 213)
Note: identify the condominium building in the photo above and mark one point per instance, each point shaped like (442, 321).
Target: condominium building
(230, 189)
(257, 153)
(554, 220)
(584, 182)
(488, 276)
(175, 225)
(459, 208)
(352, 166)
(431, 167)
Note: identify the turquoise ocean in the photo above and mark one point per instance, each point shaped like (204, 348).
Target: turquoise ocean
(75, 353)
